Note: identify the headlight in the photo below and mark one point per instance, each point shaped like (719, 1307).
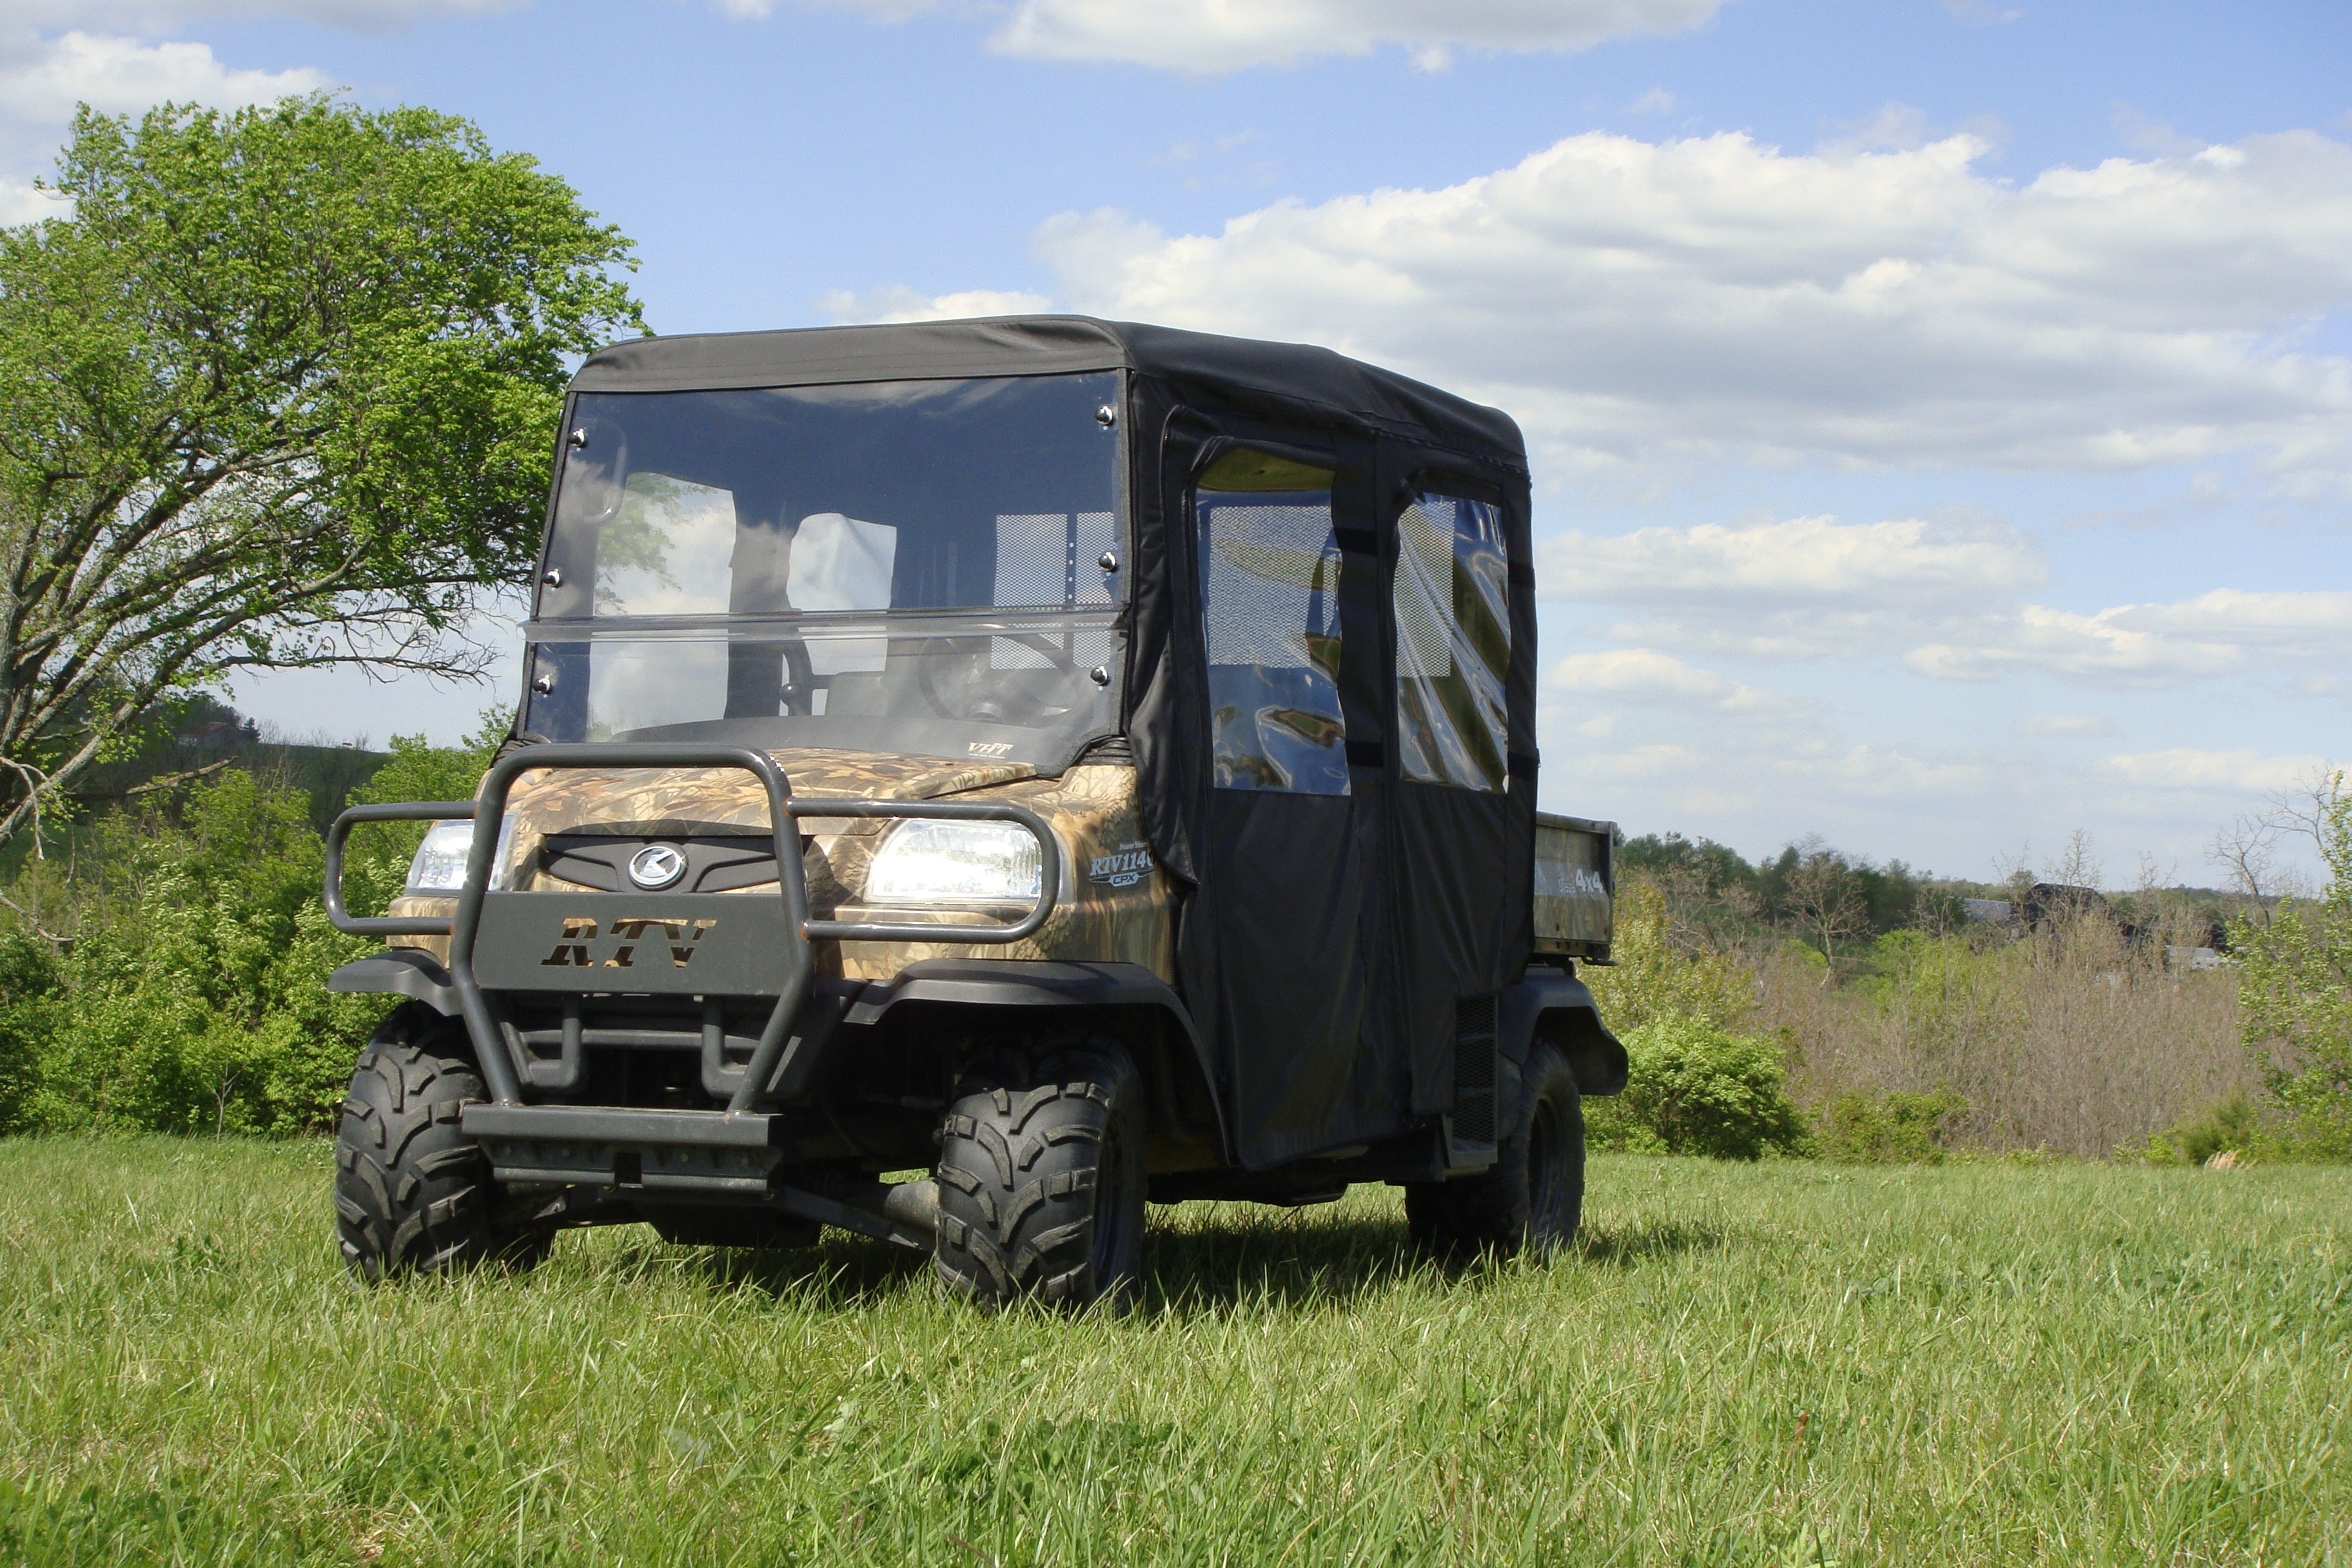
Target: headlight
(926, 861)
(440, 863)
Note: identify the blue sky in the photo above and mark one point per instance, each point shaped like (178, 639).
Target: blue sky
(1942, 411)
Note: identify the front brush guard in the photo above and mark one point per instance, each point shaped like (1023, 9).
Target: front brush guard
(764, 950)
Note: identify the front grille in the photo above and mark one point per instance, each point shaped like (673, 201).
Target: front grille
(1474, 1070)
(716, 862)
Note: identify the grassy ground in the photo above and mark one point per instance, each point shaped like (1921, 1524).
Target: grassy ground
(1784, 1364)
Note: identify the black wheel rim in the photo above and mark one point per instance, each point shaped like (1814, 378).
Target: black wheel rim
(1111, 1207)
(1543, 1169)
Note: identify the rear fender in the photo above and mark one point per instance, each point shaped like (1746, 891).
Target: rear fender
(1559, 1009)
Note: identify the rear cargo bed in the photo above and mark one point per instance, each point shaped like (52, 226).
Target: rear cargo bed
(1575, 885)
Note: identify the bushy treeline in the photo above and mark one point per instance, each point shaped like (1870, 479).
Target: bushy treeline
(171, 975)
(1895, 1027)
(1779, 888)
(166, 970)
(1838, 902)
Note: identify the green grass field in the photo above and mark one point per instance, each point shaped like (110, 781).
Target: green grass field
(1777, 1363)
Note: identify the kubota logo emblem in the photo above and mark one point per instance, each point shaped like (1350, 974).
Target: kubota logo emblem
(679, 936)
(657, 866)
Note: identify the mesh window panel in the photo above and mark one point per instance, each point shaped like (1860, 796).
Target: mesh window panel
(1453, 607)
(1098, 533)
(1270, 563)
(1053, 558)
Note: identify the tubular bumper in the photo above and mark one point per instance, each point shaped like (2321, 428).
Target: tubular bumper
(765, 947)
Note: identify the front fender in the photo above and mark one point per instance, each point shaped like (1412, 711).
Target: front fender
(1037, 982)
(400, 971)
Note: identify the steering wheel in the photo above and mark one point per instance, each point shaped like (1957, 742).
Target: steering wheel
(1005, 703)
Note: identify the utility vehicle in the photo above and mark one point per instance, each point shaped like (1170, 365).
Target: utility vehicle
(1090, 763)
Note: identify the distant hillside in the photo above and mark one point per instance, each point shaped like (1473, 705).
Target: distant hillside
(208, 736)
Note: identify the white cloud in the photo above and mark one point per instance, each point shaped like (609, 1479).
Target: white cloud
(1647, 677)
(2221, 633)
(1796, 588)
(123, 75)
(2050, 726)
(2237, 771)
(1206, 35)
(898, 303)
(1638, 303)
(1762, 790)
(1798, 563)
(1952, 598)
(1864, 772)
(117, 56)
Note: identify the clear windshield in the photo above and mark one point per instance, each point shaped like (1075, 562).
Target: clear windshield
(901, 566)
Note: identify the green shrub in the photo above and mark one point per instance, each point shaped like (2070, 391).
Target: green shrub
(1900, 1129)
(192, 995)
(1696, 1088)
(2232, 1124)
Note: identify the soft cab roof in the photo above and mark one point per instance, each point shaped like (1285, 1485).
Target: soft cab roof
(1297, 377)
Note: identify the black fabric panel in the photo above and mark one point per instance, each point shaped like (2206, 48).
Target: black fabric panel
(1295, 382)
(1276, 943)
(1383, 1081)
(1456, 911)
(1460, 888)
(1289, 382)
(1288, 989)
(1168, 718)
(819, 356)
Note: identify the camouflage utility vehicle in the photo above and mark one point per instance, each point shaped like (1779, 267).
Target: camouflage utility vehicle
(1090, 763)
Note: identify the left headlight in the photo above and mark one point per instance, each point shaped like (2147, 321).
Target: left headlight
(926, 861)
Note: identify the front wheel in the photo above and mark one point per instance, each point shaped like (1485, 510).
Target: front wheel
(1041, 1177)
(1533, 1195)
(412, 1191)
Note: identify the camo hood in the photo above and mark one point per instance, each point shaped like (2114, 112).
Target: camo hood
(633, 801)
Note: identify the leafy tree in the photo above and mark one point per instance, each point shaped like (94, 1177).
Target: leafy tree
(1825, 899)
(2295, 996)
(1651, 978)
(280, 392)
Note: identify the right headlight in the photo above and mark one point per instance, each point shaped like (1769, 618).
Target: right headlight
(440, 863)
(927, 861)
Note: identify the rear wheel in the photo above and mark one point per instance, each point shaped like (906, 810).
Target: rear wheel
(1041, 1177)
(412, 1191)
(1533, 1195)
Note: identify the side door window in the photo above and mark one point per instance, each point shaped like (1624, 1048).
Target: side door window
(1270, 598)
(1452, 600)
